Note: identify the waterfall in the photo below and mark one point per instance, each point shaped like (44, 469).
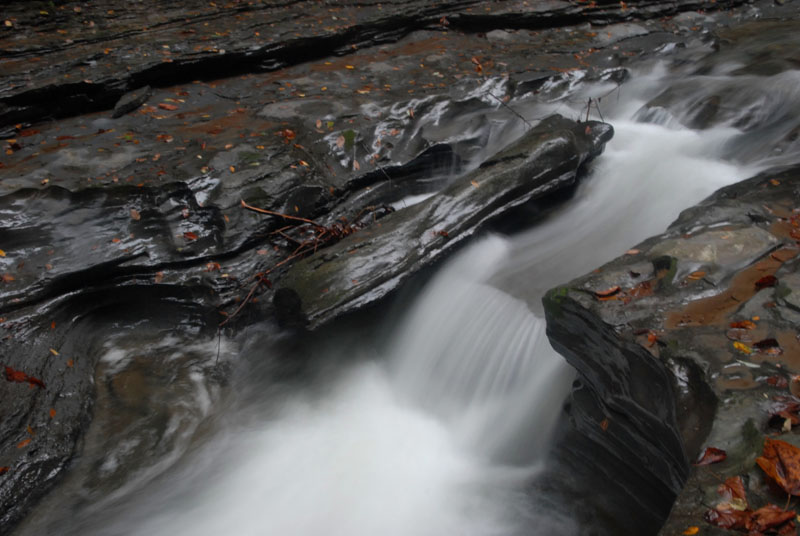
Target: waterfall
(441, 434)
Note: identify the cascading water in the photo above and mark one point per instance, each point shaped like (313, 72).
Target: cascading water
(440, 434)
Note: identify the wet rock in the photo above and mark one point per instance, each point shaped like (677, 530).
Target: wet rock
(367, 265)
(131, 101)
(661, 374)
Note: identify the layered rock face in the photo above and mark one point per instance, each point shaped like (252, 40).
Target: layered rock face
(662, 372)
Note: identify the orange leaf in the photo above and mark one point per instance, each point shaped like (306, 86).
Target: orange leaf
(188, 235)
(135, 215)
(742, 347)
(712, 455)
(743, 324)
(691, 531)
(165, 106)
(607, 292)
(694, 276)
(781, 462)
(52, 412)
(23, 443)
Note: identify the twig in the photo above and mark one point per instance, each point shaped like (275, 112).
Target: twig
(513, 111)
(286, 216)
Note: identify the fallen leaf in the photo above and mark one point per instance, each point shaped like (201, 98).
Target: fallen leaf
(8, 278)
(18, 376)
(727, 518)
(158, 277)
(743, 324)
(474, 183)
(356, 165)
(70, 363)
(766, 282)
(733, 489)
(694, 276)
(768, 517)
(24, 443)
(2, 253)
(781, 462)
(604, 425)
(54, 352)
(52, 412)
(188, 235)
(742, 347)
(166, 106)
(711, 455)
(632, 252)
(4, 470)
(607, 292)
(135, 215)
(691, 531)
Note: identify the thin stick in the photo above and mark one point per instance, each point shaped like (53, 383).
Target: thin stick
(271, 213)
(513, 111)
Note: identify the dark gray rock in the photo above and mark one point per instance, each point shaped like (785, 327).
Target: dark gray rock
(131, 101)
(367, 265)
(660, 373)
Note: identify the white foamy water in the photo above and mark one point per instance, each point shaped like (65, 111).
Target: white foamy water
(440, 435)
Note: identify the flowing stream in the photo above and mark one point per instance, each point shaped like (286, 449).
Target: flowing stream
(437, 428)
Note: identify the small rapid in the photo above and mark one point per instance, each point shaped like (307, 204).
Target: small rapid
(438, 429)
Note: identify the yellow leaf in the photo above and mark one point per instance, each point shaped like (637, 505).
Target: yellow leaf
(2, 253)
(691, 531)
(742, 348)
(52, 351)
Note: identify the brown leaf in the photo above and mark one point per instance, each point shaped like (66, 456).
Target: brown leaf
(4, 470)
(135, 215)
(166, 106)
(766, 282)
(781, 461)
(711, 455)
(768, 517)
(732, 488)
(158, 278)
(743, 324)
(727, 518)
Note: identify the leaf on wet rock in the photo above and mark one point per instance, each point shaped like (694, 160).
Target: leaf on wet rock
(742, 347)
(167, 106)
(766, 282)
(781, 462)
(188, 235)
(743, 324)
(711, 455)
(135, 215)
(784, 409)
(18, 376)
(607, 293)
(732, 492)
